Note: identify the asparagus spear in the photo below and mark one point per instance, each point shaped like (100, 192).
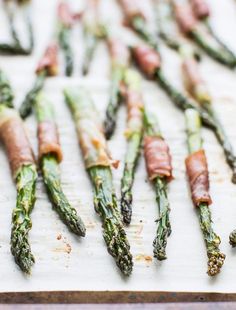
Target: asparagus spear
(134, 134)
(160, 180)
(24, 172)
(201, 35)
(6, 93)
(135, 19)
(196, 87)
(50, 157)
(66, 21)
(16, 47)
(48, 66)
(212, 240)
(120, 59)
(98, 165)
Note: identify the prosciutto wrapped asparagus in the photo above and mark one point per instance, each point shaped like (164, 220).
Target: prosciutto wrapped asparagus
(47, 66)
(50, 156)
(197, 171)
(120, 60)
(159, 169)
(196, 87)
(21, 160)
(98, 163)
(134, 133)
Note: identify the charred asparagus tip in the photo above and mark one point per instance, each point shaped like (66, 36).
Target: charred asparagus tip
(126, 207)
(232, 238)
(234, 177)
(215, 263)
(159, 250)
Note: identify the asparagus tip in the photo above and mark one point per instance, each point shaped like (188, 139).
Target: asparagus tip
(215, 262)
(126, 207)
(160, 242)
(234, 177)
(232, 238)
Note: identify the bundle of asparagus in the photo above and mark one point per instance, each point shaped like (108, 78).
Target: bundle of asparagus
(16, 48)
(201, 34)
(98, 164)
(65, 23)
(149, 62)
(196, 87)
(159, 169)
(197, 171)
(47, 66)
(134, 133)
(93, 31)
(120, 60)
(136, 19)
(21, 160)
(50, 155)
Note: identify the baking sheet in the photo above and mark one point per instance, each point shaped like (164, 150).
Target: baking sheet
(67, 263)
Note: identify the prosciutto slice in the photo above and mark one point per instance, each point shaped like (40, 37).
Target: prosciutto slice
(132, 9)
(15, 140)
(197, 171)
(49, 61)
(200, 8)
(157, 157)
(147, 58)
(49, 140)
(185, 18)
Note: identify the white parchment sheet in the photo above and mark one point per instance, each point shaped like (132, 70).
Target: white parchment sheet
(64, 262)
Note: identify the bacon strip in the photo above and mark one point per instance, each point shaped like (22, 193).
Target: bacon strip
(119, 52)
(157, 157)
(92, 141)
(49, 61)
(135, 106)
(16, 142)
(197, 171)
(200, 8)
(147, 58)
(193, 80)
(49, 140)
(132, 9)
(185, 18)
(65, 15)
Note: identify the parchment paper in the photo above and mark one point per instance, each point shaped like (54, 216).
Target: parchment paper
(64, 262)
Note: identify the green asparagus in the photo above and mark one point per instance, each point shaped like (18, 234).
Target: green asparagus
(49, 163)
(96, 157)
(212, 241)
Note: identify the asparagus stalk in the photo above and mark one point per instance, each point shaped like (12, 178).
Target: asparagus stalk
(134, 134)
(97, 162)
(49, 161)
(47, 66)
(65, 23)
(30, 98)
(160, 184)
(6, 93)
(120, 61)
(21, 222)
(24, 172)
(212, 240)
(114, 102)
